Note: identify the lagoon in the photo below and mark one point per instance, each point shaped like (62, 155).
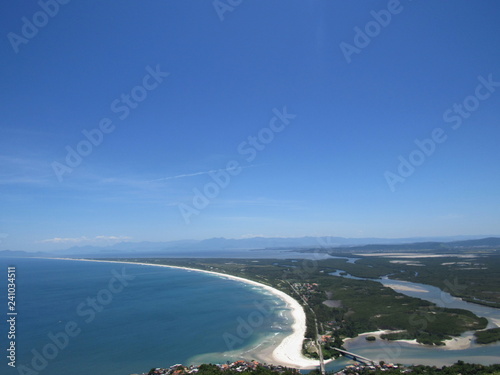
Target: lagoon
(408, 353)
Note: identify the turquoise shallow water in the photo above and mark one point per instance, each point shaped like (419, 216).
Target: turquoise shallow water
(127, 318)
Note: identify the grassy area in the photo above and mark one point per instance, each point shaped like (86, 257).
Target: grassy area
(459, 276)
(369, 306)
(488, 336)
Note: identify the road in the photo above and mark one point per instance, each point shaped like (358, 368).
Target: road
(318, 338)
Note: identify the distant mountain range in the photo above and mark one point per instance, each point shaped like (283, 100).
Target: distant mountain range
(189, 247)
(454, 246)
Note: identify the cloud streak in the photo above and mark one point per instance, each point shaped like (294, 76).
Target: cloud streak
(197, 174)
(82, 239)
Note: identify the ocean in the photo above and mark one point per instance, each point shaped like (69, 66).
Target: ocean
(108, 318)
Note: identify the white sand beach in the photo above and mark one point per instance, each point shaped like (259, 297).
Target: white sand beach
(459, 343)
(407, 288)
(455, 343)
(289, 351)
(496, 322)
(376, 334)
(414, 255)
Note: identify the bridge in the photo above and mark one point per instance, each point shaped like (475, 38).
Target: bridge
(355, 357)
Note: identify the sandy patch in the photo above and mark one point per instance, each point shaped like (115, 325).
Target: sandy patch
(416, 255)
(495, 321)
(333, 303)
(459, 343)
(406, 288)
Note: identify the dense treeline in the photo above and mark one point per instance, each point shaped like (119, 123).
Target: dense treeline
(456, 369)
(460, 276)
(369, 306)
(488, 336)
(259, 370)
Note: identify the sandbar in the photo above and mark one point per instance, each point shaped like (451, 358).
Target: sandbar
(406, 288)
(455, 343)
(460, 342)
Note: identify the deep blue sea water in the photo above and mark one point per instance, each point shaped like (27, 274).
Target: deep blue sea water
(153, 317)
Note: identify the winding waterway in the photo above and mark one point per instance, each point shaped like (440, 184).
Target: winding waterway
(410, 353)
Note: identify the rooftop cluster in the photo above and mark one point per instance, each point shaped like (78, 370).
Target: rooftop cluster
(227, 368)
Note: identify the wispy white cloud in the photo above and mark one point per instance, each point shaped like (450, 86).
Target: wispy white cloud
(23, 171)
(64, 240)
(198, 173)
(85, 239)
(247, 236)
(186, 175)
(113, 238)
(264, 202)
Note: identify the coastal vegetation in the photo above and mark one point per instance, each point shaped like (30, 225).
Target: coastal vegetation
(457, 268)
(343, 307)
(488, 336)
(458, 368)
(234, 368)
(369, 306)
(254, 368)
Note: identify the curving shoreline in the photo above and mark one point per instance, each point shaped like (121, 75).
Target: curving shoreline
(289, 351)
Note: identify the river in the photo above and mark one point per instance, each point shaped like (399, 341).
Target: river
(410, 353)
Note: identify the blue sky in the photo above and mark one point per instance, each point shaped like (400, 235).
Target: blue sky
(335, 94)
